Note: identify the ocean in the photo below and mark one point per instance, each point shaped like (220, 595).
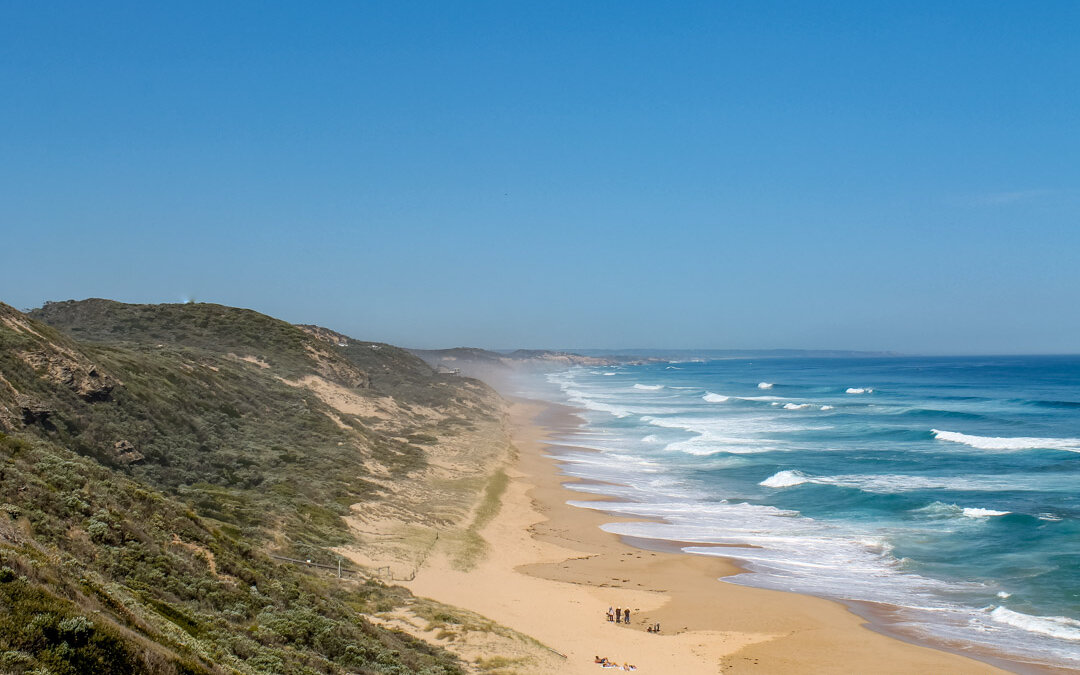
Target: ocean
(947, 489)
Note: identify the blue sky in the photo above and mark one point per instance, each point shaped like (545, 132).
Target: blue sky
(900, 176)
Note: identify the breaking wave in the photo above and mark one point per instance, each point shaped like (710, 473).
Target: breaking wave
(649, 387)
(1008, 443)
(782, 479)
(899, 483)
(983, 513)
(764, 385)
(858, 390)
(944, 510)
(1054, 626)
(714, 398)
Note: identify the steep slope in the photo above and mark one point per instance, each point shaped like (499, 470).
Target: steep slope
(256, 422)
(153, 456)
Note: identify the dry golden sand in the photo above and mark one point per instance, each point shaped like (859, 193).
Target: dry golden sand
(551, 573)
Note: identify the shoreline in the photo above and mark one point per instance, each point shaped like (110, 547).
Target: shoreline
(551, 573)
(875, 615)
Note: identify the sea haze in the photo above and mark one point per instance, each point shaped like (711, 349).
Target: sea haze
(946, 487)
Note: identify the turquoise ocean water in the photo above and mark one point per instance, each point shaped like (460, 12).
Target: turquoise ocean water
(948, 488)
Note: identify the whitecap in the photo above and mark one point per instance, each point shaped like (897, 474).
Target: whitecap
(649, 387)
(796, 406)
(1008, 443)
(764, 385)
(858, 390)
(898, 483)
(714, 398)
(783, 479)
(827, 407)
(1055, 626)
(972, 512)
(939, 510)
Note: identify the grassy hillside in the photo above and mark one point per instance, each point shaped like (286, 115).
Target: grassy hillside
(211, 403)
(99, 574)
(154, 454)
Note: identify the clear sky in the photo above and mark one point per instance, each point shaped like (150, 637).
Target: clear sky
(850, 175)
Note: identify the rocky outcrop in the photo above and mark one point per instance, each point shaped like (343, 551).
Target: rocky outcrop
(125, 453)
(64, 369)
(32, 410)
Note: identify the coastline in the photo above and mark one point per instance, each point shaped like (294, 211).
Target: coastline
(551, 573)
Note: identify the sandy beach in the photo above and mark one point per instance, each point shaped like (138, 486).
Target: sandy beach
(551, 573)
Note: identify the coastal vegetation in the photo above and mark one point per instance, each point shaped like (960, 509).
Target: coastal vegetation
(155, 459)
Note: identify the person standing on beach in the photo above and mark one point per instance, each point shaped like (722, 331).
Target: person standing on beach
(618, 614)
(627, 614)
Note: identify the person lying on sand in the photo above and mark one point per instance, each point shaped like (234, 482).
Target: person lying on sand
(600, 659)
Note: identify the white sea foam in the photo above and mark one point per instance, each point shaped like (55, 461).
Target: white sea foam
(827, 407)
(651, 438)
(971, 512)
(1004, 595)
(761, 398)
(946, 510)
(743, 435)
(939, 510)
(858, 390)
(1060, 627)
(1008, 443)
(585, 401)
(609, 374)
(764, 385)
(714, 398)
(649, 387)
(898, 483)
(797, 406)
(782, 479)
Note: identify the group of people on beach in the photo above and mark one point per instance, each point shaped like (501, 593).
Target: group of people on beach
(620, 615)
(605, 663)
